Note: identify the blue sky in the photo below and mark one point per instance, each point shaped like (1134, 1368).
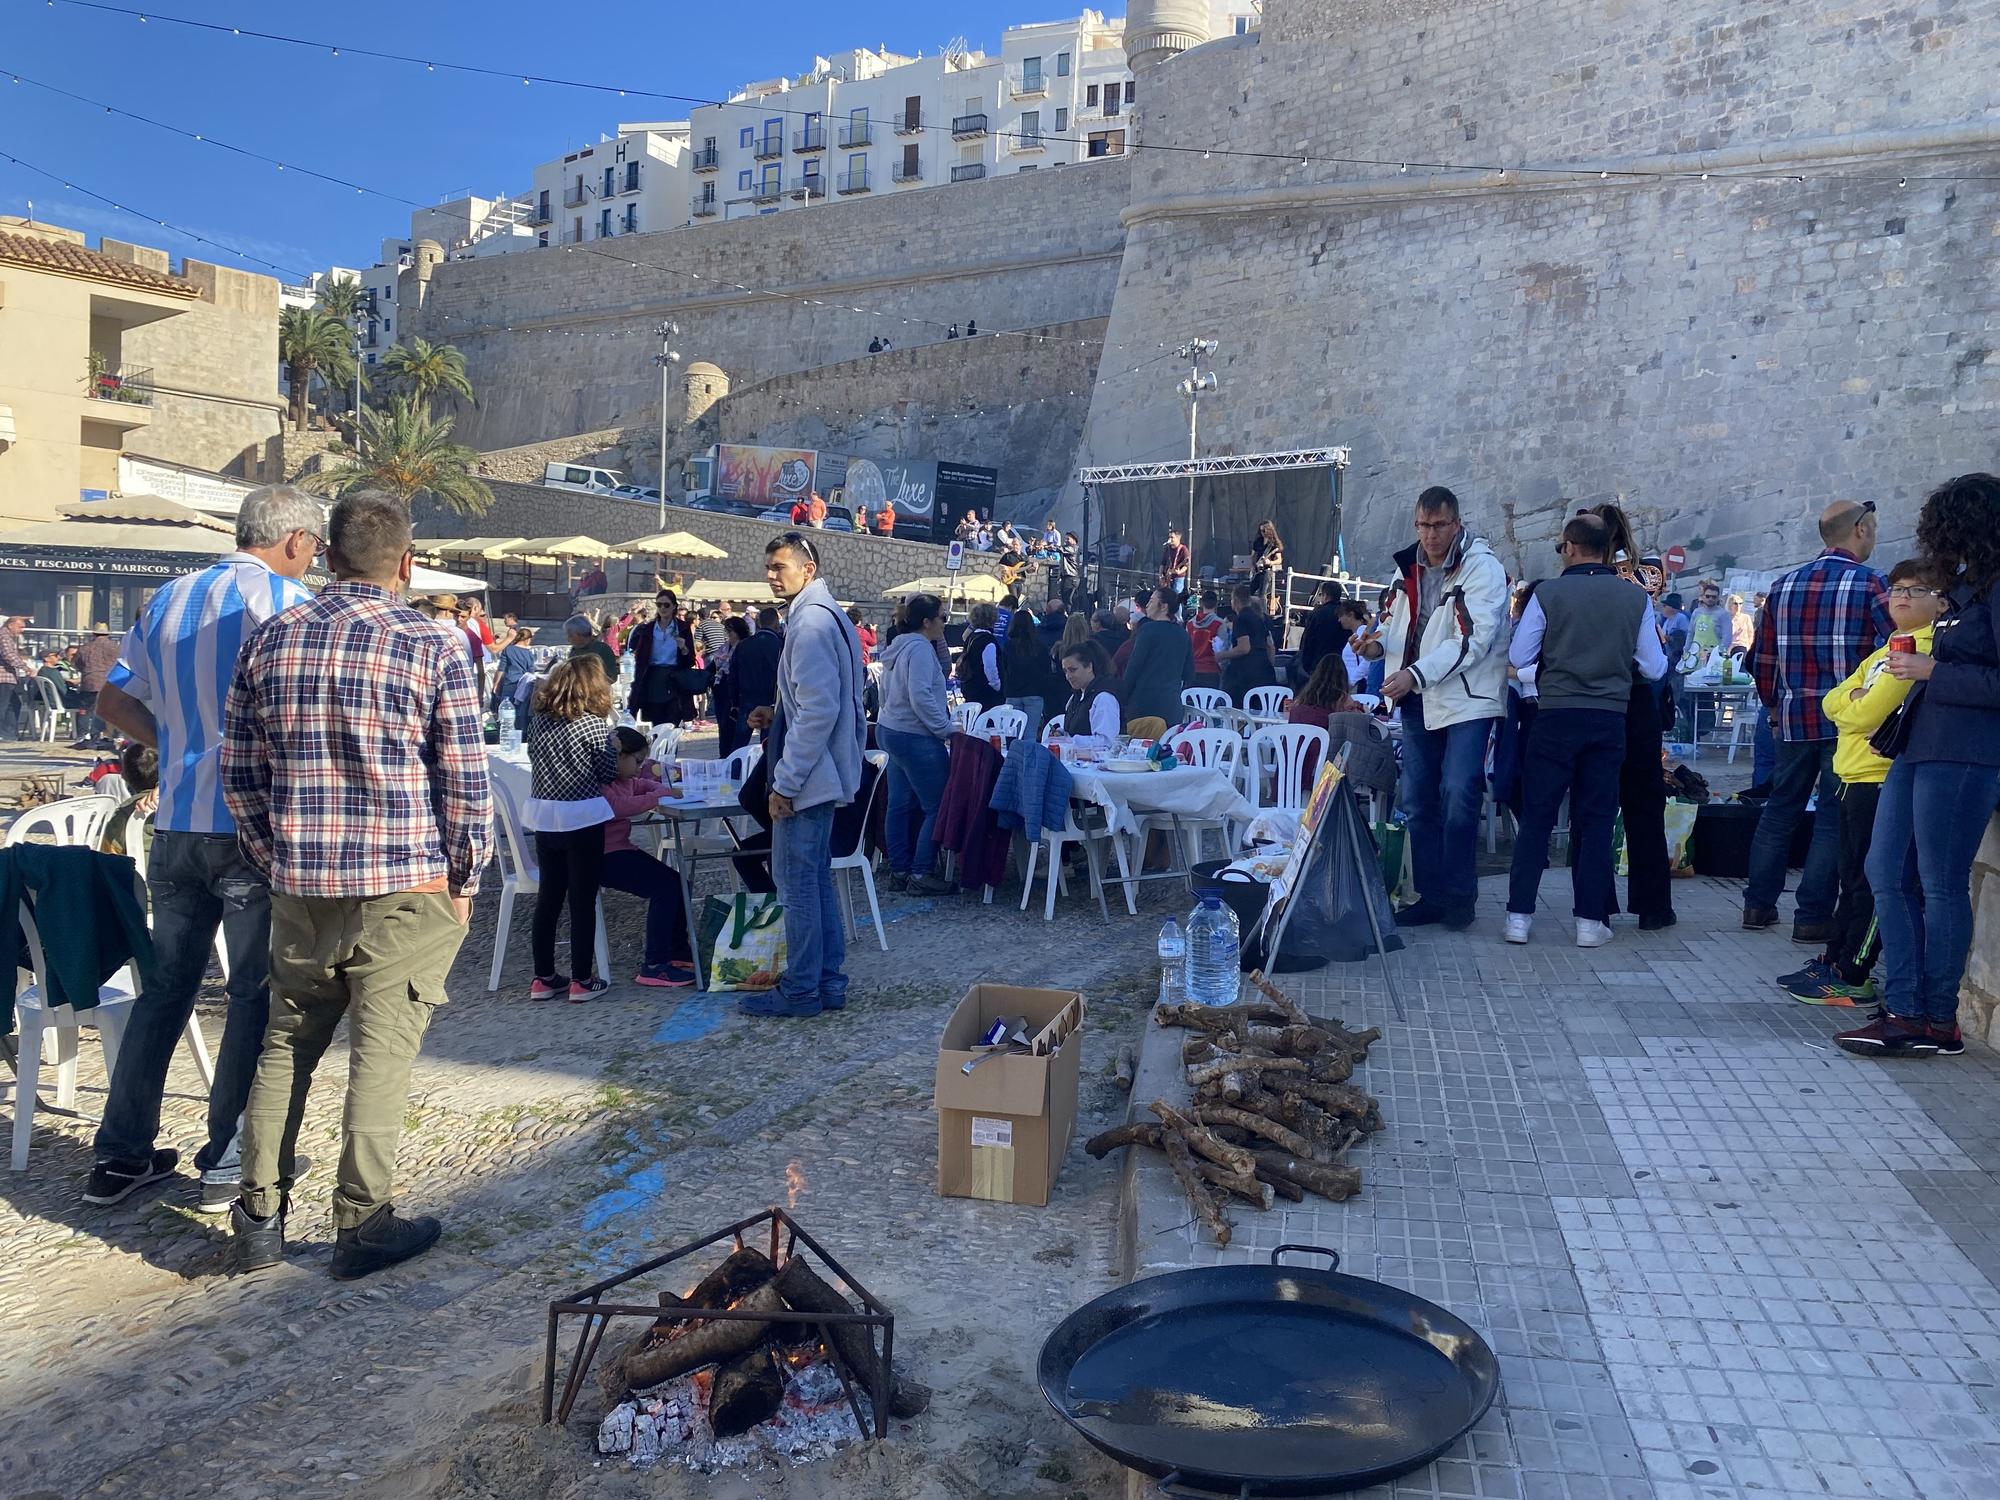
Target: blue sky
(389, 126)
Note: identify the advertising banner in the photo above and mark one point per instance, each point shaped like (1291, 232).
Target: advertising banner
(758, 478)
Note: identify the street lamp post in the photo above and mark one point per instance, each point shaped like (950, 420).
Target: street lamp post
(1193, 386)
(666, 359)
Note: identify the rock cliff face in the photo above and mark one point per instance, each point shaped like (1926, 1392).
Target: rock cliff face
(1816, 318)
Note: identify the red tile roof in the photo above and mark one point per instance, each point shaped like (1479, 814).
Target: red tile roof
(68, 259)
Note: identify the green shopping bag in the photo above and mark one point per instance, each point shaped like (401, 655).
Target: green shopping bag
(1393, 845)
(748, 949)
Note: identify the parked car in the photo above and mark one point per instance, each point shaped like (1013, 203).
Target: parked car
(712, 503)
(582, 477)
(644, 492)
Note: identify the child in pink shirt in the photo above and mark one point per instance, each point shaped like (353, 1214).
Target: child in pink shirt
(668, 964)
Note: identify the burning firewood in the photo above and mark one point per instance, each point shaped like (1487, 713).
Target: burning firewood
(747, 1390)
(806, 1292)
(703, 1344)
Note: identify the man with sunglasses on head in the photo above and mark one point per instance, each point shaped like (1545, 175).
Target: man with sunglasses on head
(167, 691)
(1819, 623)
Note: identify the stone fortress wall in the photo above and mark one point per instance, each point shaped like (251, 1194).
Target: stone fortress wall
(561, 342)
(1725, 356)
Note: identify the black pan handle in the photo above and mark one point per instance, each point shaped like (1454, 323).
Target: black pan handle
(1170, 1490)
(1333, 1256)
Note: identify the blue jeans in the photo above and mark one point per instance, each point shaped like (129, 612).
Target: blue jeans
(1578, 751)
(815, 932)
(1032, 707)
(1763, 750)
(918, 765)
(1443, 790)
(1927, 829)
(1803, 765)
(637, 873)
(198, 881)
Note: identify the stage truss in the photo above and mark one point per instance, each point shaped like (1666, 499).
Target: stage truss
(1202, 468)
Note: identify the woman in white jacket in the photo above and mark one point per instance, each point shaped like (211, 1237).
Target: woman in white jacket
(913, 726)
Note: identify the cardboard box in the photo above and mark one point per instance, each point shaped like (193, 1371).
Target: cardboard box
(1004, 1128)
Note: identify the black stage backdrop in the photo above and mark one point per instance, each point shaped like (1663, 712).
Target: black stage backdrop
(1227, 508)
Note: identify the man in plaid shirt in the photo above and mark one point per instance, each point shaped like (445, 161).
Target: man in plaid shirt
(1818, 624)
(354, 761)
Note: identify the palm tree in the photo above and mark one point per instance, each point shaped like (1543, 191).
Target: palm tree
(428, 369)
(406, 452)
(341, 297)
(311, 342)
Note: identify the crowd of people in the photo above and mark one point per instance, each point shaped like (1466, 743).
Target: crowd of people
(323, 804)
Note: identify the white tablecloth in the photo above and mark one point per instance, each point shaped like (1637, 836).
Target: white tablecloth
(1189, 791)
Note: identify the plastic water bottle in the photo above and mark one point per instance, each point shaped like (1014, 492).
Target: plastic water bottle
(509, 740)
(1173, 962)
(1214, 948)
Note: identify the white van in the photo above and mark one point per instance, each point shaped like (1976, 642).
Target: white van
(581, 477)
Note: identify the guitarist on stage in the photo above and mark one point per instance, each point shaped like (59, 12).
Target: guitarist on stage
(1174, 564)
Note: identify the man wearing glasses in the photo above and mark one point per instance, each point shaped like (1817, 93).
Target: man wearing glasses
(168, 691)
(1819, 623)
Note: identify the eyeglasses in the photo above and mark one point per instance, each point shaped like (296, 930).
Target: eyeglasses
(319, 542)
(1912, 591)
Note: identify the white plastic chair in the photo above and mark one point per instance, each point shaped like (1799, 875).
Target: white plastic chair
(75, 821)
(40, 1022)
(1008, 723)
(964, 716)
(1267, 702)
(739, 763)
(1210, 703)
(666, 740)
(860, 860)
(1216, 749)
(1369, 701)
(1279, 752)
(48, 709)
(1053, 839)
(521, 875)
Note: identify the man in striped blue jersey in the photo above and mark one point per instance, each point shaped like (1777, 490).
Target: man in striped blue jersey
(168, 691)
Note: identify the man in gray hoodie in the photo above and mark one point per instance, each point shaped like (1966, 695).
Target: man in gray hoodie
(814, 761)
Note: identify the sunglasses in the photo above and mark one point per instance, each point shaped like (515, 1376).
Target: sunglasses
(803, 543)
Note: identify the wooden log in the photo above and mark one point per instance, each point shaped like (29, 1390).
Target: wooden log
(805, 1291)
(1286, 1041)
(1356, 1106)
(705, 1344)
(1293, 1011)
(1284, 1187)
(1138, 1133)
(747, 1389)
(1199, 1196)
(1124, 1069)
(1247, 1188)
(1279, 1135)
(1247, 1064)
(1334, 1065)
(1205, 1142)
(1285, 1108)
(1327, 1179)
(1220, 1018)
(1356, 1042)
(741, 1271)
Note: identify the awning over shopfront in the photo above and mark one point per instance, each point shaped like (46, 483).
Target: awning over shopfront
(676, 544)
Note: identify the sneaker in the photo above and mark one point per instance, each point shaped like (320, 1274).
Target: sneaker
(581, 990)
(930, 885)
(1814, 932)
(1419, 913)
(1950, 1040)
(897, 883)
(1657, 921)
(1891, 1036)
(380, 1241)
(1757, 918)
(219, 1191)
(255, 1243)
(1591, 934)
(115, 1181)
(1517, 926)
(550, 988)
(771, 1003)
(1833, 991)
(665, 976)
(1816, 972)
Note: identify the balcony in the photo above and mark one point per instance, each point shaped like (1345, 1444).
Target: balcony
(631, 182)
(114, 387)
(767, 192)
(811, 186)
(968, 127)
(572, 236)
(907, 171)
(812, 138)
(910, 122)
(855, 134)
(707, 159)
(968, 171)
(765, 147)
(1027, 140)
(1028, 85)
(853, 180)
(700, 207)
(541, 214)
(576, 197)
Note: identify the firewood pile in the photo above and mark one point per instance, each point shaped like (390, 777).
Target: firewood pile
(1272, 1113)
(752, 1357)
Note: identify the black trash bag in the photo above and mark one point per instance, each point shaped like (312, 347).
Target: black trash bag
(1328, 920)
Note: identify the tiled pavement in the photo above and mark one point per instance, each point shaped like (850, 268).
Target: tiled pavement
(1717, 1257)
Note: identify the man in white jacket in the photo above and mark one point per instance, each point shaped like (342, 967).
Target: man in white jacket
(1445, 639)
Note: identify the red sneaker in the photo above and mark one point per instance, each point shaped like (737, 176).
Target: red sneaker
(1950, 1041)
(550, 988)
(1892, 1036)
(581, 990)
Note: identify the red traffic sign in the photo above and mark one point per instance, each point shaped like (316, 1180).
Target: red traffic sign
(1676, 559)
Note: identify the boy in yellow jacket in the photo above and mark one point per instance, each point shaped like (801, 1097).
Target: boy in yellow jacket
(1858, 707)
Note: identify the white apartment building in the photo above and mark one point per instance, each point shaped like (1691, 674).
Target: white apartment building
(629, 183)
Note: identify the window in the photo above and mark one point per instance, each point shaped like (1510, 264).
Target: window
(772, 179)
(1027, 166)
(576, 231)
(1062, 118)
(743, 181)
(1242, 25)
(1031, 128)
(708, 192)
(542, 204)
(604, 223)
(708, 145)
(746, 136)
(385, 325)
(389, 291)
(542, 240)
(631, 177)
(1031, 74)
(1090, 96)
(1062, 65)
(610, 182)
(1110, 99)
(1130, 89)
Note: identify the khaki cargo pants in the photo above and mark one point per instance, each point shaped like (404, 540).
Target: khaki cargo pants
(380, 961)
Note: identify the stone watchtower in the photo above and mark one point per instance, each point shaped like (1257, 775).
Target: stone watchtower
(1156, 30)
(426, 256)
(706, 385)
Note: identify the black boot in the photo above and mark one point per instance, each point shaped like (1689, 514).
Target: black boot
(380, 1241)
(256, 1243)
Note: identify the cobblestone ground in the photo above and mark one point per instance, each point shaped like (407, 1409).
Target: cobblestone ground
(560, 1143)
(1718, 1258)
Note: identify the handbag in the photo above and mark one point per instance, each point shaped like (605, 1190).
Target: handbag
(1893, 737)
(691, 680)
